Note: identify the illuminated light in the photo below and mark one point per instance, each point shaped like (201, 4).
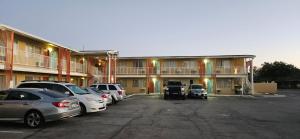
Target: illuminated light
(205, 61)
(83, 59)
(205, 80)
(50, 49)
(51, 44)
(112, 79)
(153, 62)
(72, 79)
(235, 70)
(154, 80)
(82, 78)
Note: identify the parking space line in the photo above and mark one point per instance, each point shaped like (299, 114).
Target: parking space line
(12, 132)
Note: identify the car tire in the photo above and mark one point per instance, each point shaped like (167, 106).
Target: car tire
(165, 97)
(82, 109)
(183, 98)
(205, 97)
(34, 119)
(114, 100)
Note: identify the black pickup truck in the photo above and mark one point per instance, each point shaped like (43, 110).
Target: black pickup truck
(174, 89)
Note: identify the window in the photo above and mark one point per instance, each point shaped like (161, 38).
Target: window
(60, 88)
(53, 94)
(29, 77)
(138, 63)
(170, 63)
(112, 87)
(190, 64)
(21, 95)
(16, 47)
(93, 86)
(2, 82)
(102, 87)
(123, 83)
(138, 83)
(224, 83)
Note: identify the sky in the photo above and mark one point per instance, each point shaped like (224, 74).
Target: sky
(269, 29)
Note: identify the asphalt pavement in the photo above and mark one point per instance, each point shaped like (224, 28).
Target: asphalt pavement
(143, 117)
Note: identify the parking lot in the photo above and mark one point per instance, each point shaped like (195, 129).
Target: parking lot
(152, 117)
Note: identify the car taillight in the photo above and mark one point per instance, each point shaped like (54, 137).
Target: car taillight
(103, 96)
(61, 104)
(120, 92)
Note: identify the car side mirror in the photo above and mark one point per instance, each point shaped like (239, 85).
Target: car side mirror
(67, 93)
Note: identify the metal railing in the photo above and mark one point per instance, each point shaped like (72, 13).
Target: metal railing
(179, 70)
(26, 58)
(78, 67)
(230, 70)
(132, 70)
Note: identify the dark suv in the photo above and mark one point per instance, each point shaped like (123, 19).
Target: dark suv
(174, 89)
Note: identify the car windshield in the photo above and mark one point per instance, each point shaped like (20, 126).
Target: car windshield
(53, 94)
(77, 90)
(91, 90)
(197, 87)
(174, 83)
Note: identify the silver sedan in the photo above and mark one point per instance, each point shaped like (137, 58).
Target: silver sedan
(106, 97)
(36, 106)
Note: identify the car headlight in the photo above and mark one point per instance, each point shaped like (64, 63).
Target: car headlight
(182, 89)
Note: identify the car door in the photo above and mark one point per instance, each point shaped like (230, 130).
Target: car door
(28, 101)
(114, 90)
(3, 109)
(12, 106)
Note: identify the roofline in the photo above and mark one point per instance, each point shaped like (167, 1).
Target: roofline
(97, 52)
(190, 57)
(20, 32)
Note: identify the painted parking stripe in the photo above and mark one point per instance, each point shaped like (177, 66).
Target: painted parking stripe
(12, 132)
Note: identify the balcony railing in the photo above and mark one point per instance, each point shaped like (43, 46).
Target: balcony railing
(179, 71)
(132, 70)
(230, 70)
(25, 58)
(78, 67)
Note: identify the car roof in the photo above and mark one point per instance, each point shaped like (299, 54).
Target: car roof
(25, 89)
(51, 82)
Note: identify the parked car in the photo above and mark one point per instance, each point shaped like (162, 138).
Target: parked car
(88, 102)
(36, 106)
(197, 90)
(174, 89)
(106, 97)
(114, 90)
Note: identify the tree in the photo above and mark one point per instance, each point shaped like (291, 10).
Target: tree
(277, 71)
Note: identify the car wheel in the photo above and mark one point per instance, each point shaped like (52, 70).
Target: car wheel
(34, 119)
(114, 101)
(165, 97)
(205, 97)
(82, 109)
(183, 98)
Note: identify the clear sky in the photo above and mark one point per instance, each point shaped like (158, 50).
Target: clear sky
(269, 29)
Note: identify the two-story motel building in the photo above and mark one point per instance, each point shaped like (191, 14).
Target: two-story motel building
(219, 74)
(24, 56)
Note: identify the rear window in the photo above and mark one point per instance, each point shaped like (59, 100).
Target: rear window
(112, 87)
(197, 87)
(53, 94)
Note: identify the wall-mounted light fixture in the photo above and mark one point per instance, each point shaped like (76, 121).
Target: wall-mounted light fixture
(205, 61)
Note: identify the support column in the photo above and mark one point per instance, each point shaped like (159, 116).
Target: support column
(252, 80)
(109, 66)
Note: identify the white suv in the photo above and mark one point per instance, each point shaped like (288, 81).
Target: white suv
(88, 102)
(115, 90)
